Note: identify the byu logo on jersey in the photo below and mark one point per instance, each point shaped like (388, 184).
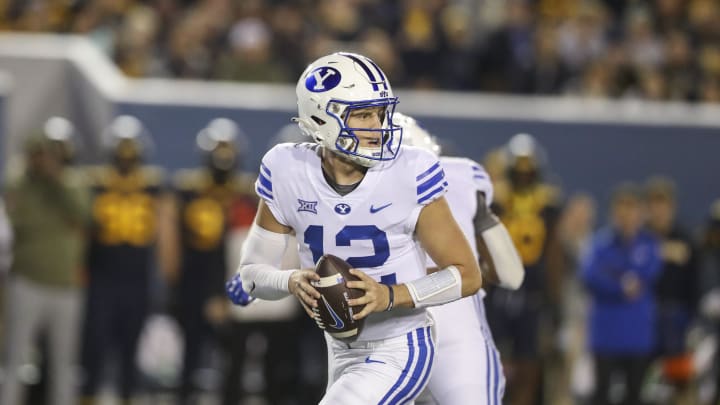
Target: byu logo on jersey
(322, 79)
(307, 206)
(342, 209)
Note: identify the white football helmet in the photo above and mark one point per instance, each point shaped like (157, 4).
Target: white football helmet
(127, 140)
(416, 135)
(333, 86)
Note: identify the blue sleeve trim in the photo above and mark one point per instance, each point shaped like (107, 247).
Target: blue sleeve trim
(265, 182)
(431, 194)
(433, 181)
(428, 171)
(263, 167)
(264, 193)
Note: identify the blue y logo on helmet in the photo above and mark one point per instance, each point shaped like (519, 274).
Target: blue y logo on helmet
(322, 79)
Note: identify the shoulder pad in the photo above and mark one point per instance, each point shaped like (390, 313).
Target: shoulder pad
(153, 175)
(97, 174)
(188, 179)
(244, 183)
(550, 194)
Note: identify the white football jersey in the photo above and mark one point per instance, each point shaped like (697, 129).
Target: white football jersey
(468, 368)
(372, 227)
(466, 178)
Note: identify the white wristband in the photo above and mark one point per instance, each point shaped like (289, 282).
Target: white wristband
(438, 288)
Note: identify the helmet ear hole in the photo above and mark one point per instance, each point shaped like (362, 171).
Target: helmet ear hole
(317, 120)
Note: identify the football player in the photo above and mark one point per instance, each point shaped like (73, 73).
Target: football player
(357, 195)
(468, 368)
(529, 207)
(125, 216)
(207, 198)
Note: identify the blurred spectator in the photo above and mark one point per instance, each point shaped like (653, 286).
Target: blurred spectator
(340, 19)
(703, 16)
(459, 47)
(136, 52)
(125, 208)
(652, 85)
(49, 213)
(710, 260)
(550, 73)
(508, 54)
(576, 227)
(582, 37)
(188, 53)
(6, 237)
(710, 89)
(529, 207)
(644, 47)
(710, 59)
(681, 71)
(677, 287)
(288, 25)
(206, 197)
(620, 271)
(519, 46)
(418, 42)
(377, 45)
(100, 20)
(250, 55)
(597, 81)
(669, 15)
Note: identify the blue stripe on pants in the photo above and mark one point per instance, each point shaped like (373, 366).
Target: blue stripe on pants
(419, 369)
(411, 357)
(431, 344)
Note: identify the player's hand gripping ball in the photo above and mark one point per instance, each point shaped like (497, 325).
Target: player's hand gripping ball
(333, 314)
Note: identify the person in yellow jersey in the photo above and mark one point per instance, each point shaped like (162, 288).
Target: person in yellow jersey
(529, 207)
(125, 218)
(208, 199)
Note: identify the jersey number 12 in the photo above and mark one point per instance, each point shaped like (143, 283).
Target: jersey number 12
(314, 239)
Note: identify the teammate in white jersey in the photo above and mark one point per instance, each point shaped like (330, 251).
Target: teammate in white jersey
(468, 368)
(357, 195)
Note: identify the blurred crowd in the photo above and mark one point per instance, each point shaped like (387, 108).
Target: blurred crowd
(616, 311)
(645, 49)
(113, 280)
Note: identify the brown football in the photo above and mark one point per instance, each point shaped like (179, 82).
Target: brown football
(333, 314)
